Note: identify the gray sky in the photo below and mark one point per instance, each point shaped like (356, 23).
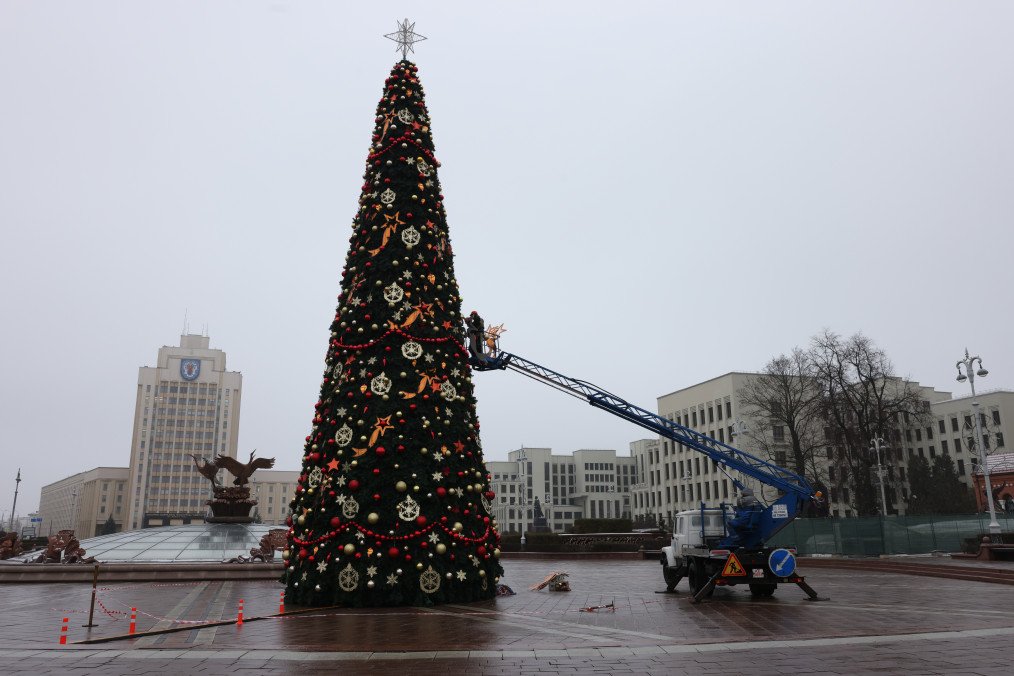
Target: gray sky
(647, 198)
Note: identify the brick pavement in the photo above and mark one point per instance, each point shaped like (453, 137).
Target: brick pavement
(874, 623)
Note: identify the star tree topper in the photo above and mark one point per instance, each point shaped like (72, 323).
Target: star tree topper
(405, 36)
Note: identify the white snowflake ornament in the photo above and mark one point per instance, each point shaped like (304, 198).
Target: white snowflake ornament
(411, 350)
(380, 385)
(448, 391)
(393, 293)
(410, 236)
(343, 436)
(408, 509)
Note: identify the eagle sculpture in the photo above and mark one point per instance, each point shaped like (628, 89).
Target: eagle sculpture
(242, 471)
(208, 470)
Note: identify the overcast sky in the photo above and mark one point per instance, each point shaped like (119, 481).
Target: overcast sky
(647, 194)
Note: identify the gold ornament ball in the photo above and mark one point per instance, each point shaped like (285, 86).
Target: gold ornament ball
(418, 566)
(401, 486)
(496, 553)
(373, 518)
(286, 555)
(458, 526)
(301, 520)
(482, 573)
(441, 548)
(370, 584)
(350, 549)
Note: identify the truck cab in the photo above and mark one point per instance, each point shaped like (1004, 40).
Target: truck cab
(695, 530)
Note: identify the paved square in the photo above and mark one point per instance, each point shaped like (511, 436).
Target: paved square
(873, 623)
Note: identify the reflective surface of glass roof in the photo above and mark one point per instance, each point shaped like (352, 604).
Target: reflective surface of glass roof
(182, 544)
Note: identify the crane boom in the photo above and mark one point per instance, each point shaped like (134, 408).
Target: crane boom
(795, 488)
(729, 456)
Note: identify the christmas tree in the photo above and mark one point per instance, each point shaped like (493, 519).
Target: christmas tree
(393, 502)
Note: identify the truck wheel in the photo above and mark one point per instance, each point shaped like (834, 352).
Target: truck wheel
(672, 577)
(698, 577)
(762, 591)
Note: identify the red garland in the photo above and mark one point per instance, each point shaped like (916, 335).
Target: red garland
(404, 139)
(338, 343)
(390, 538)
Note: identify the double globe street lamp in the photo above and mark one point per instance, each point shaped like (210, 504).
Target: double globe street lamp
(878, 446)
(967, 371)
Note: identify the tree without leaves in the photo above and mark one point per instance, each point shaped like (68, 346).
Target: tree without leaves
(862, 398)
(786, 395)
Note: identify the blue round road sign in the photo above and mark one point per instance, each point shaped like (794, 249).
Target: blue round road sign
(782, 563)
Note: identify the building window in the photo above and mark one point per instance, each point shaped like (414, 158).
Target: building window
(961, 467)
(778, 432)
(954, 425)
(941, 426)
(728, 409)
(999, 439)
(943, 446)
(996, 416)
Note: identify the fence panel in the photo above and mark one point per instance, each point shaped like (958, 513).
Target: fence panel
(872, 536)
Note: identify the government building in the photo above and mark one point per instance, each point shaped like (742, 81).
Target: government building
(187, 404)
(588, 484)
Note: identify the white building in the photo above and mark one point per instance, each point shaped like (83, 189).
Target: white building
(273, 490)
(84, 502)
(675, 478)
(593, 484)
(952, 432)
(187, 404)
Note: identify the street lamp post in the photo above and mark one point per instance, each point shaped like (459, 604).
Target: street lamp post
(966, 371)
(17, 485)
(878, 445)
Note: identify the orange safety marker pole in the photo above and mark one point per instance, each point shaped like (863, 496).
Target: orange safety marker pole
(133, 620)
(63, 631)
(281, 603)
(239, 618)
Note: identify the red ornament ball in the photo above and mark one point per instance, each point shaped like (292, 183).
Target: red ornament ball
(421, 520)
(354, 485)
(335, 522)
(393, 552)
(441, 491)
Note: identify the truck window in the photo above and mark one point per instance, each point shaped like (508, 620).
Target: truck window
(695, 521)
